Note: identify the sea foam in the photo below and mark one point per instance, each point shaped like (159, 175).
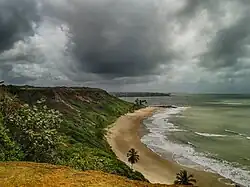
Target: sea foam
(157, 140)
(210, 135)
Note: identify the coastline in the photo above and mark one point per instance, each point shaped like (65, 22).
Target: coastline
(126, 133)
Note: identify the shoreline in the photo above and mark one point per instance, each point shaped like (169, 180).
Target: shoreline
(126, 133)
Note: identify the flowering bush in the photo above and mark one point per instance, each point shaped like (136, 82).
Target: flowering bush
(34, 128)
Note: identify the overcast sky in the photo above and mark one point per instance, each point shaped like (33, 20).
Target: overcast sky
(127, 45)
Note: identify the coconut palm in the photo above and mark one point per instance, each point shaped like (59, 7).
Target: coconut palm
(183, 178)
(137, 102)
(133, 157)
(143, 102)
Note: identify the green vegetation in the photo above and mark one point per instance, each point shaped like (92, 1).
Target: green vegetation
(184, 179)
(133, 157)
(32, 130)
(139, 104)
(66, 127)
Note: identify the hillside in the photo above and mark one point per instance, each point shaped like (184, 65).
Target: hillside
(65, 127)
(36, 175)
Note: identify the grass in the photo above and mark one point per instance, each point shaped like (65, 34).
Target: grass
(13, 174)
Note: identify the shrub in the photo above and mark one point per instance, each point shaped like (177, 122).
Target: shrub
(9, 150)
(33, 128)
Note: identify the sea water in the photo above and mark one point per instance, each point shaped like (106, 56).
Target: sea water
(208, 132)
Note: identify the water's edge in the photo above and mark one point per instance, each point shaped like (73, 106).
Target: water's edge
(185, 154)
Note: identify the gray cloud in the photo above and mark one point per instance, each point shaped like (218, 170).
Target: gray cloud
(229, 45)
(16, 18)
(118, 39)
(110, 42)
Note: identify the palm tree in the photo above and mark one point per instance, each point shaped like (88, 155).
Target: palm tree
(183, 178)
(133, 157)
(144, 101)
(137, 102)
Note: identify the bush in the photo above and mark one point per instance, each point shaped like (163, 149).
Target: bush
(83, 158)
(9, 150)
(32, 128)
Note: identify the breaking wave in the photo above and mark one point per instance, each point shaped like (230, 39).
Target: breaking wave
(185, 154)
(210, 135)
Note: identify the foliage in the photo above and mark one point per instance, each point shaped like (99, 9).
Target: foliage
(133, 156)
(9, 150)
(139, 104)
(75, 136)
(32, 128)
(183, 178)
(83, 158)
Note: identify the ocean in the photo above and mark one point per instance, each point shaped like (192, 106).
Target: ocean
(206, 132)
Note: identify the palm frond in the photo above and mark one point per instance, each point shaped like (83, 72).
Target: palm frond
(192, 180)
(191, 176)
(177, 182)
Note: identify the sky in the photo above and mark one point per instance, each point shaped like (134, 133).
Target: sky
(196, 46)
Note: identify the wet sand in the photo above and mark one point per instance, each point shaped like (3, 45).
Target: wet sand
(126, 133)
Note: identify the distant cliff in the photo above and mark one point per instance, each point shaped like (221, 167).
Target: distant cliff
(139, 94)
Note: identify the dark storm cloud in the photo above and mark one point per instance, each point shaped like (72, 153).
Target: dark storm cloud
(108, 38)
(194, 8)
(190, 8)
(231, 42)
(118, 39)
(16, 18)
(229, 45)
(122, 42)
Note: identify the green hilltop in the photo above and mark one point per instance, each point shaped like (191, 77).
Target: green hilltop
(62, 126)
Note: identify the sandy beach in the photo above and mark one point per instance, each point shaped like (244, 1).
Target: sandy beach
(124, 135)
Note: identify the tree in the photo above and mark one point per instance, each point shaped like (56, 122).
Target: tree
(183, 178)
(133, 157)
(137, 102)
(144, 101)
